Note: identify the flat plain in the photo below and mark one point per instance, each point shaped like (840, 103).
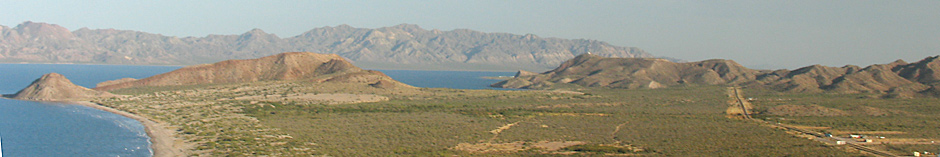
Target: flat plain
(225, 119)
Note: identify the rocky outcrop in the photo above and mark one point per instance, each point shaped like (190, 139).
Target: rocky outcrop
(384, 84)
(284, 66)
(55, 87)
(897, 79)
(401, 46)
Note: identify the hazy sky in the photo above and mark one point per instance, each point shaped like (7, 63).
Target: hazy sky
(757, 34)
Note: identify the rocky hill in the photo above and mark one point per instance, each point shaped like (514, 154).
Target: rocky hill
(597, 71)
(55, 87)
(896, 79)
(401, 46)
(284, 66)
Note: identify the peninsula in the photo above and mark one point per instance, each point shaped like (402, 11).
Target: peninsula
(301, 104)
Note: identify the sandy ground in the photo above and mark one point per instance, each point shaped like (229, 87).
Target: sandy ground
(162, 141)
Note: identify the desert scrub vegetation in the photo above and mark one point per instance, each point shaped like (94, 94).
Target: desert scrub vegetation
(908, 124)
(916, 117)
(273, 119)
(433, 122)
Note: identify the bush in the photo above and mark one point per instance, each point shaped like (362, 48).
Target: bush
(596, 148)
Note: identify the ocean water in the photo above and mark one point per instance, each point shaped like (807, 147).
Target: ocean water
(30, 128)
(447, 79)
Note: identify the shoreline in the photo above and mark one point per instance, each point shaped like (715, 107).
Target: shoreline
(162, 142)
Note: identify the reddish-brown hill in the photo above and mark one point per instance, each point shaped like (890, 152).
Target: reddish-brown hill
(55, 87)
(896, 79)
(284, 66)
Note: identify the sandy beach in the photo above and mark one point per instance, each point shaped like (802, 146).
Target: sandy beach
(161, 138)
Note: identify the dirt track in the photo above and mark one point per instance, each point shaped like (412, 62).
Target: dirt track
(745, 106)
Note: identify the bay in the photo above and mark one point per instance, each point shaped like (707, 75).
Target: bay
(447, 79)
(31, 128)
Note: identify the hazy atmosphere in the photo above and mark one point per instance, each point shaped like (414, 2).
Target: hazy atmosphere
(470, 78)
(757, 34)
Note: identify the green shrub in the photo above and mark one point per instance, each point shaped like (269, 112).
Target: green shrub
(596, 148)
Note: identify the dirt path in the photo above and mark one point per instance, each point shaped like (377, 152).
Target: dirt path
(500, 130)
(739, 105)
(161, 138)
(613, 134)
(745, 106)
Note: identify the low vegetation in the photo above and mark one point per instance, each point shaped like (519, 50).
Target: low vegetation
(906, 125)
(437, 122)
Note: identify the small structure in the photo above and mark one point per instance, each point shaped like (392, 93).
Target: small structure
(840, 142)
(828, 135)
(868, 141)
(855, 136)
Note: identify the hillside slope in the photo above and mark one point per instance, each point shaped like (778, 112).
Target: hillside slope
(896, 79)
(284, 66)
(596, 71)
(401, 46)
(55, 87)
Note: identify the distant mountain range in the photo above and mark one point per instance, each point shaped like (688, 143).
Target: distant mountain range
(895, 79)
(398, 47)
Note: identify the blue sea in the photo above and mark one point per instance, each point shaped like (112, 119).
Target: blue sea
(30, 128)
(447, 79)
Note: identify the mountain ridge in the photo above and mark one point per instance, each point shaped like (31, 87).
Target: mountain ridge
(403, 46)
(895, 79)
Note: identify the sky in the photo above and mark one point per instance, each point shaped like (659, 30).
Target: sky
(761, 34)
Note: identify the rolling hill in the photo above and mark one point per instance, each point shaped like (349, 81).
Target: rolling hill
(895, 79)
(285, 66)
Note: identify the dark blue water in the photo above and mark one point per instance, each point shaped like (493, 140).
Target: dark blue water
(446, 79)
(30, 128)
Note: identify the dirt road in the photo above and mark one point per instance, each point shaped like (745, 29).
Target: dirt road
(745, 106)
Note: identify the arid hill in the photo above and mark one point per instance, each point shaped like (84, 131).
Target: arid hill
(896, 79)
(284, 66)
(596, 71)
(55, 87)
(401, 46)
